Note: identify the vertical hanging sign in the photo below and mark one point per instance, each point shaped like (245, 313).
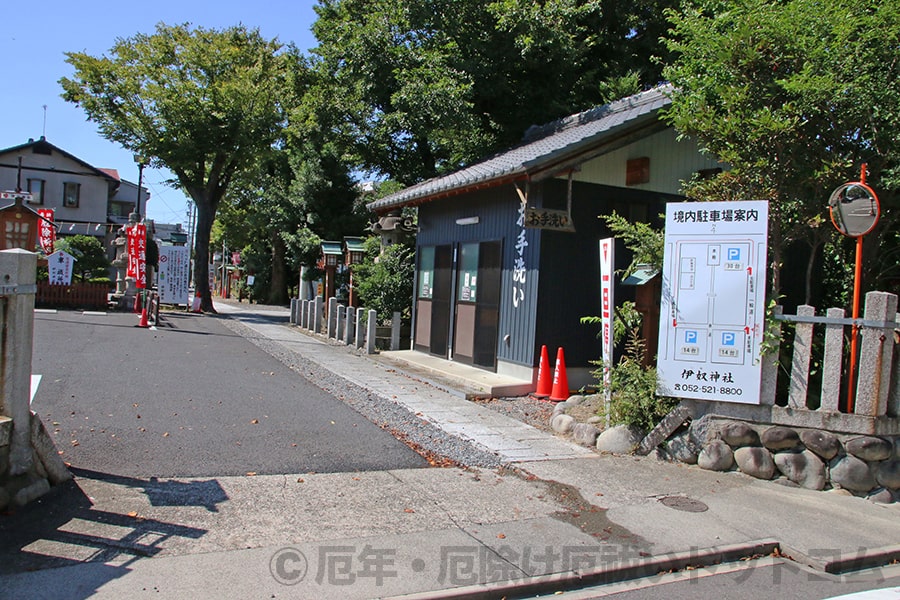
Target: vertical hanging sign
(137, 254)
(46, 230)
(712, 309)
(607, 306)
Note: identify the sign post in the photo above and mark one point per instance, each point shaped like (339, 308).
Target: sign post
(607, 304)
(712, 309)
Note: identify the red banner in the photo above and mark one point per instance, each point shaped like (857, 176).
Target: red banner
(137, 254)
(46, 230)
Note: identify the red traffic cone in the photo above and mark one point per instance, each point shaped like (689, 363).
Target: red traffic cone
(144, 322)
(560, 380)
(544, 383)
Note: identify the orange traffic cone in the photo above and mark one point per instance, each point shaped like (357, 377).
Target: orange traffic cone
(144, 322)
(544, 383)
(560, 380)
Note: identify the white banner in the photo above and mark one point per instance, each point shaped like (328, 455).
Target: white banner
(607, 306)
(174, 274)
(713, 301)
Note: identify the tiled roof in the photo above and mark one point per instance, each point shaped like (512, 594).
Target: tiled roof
(541, 146)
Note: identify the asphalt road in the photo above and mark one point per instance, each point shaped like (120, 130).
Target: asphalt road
(191, 398)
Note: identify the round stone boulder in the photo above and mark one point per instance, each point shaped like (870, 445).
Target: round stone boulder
(869, 448)
(620, 439)
(881, 496)
(716, 456)
(852, 473)
(887, 473)
(803, 468)
(701, 431)
(562, 423)
(585, 434)
(780, 438)
(681, 448)
(823, 443)
(738, 434)
(575, 400)
(756, 462)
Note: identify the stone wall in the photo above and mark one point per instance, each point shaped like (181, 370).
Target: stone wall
(862, 465)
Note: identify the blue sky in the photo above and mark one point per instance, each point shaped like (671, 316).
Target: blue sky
(35, 35)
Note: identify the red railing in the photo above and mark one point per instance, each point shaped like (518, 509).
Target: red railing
(79, 295)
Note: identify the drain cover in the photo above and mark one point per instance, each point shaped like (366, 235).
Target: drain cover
(684, 503)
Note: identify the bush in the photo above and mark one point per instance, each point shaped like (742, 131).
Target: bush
(384, 280)
(632, 387)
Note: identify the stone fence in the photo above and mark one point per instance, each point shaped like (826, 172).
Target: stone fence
(29, 462)
(352, 326)
(813, 437)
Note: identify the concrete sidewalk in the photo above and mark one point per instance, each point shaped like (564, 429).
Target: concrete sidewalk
(560, 515)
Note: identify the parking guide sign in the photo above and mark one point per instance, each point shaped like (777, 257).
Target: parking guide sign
(713, 301)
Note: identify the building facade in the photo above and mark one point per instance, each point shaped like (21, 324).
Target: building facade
(508, 249)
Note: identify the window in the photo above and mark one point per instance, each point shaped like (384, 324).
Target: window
(36, 189)
(71, 191)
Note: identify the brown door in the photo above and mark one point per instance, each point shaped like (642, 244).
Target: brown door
(477, 304)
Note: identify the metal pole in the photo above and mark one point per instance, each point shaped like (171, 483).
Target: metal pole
(137, 206)
(854, 336)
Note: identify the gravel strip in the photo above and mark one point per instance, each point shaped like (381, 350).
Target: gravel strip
(437, 446)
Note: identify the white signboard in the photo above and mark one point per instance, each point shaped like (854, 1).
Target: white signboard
(59, 268)
(174, 274)
(607, 304)
(713, 301)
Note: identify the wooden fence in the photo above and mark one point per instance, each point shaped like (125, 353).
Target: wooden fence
(817, 374)
(79, 295)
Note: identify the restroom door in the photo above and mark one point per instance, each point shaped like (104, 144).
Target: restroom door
(433, 299)
(477, 304)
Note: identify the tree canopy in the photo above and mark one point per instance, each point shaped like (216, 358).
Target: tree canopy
(419, 87)
(796, 95)
(203, 103)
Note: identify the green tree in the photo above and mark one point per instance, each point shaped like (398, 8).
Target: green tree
(420, 87)
(199, 102)
(796, 95)
(90, 257)
(384, 279)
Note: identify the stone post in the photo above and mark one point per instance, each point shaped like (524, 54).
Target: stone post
(360, 332)
(832, 362)
(17, 291)
(769, 375)
(303, 308)
(319, 308)
(370, 331)
(332, 317)
(294, 305)
(341, 322)
(802, 356)
(875, 356)
(349, 323)
(395, 331)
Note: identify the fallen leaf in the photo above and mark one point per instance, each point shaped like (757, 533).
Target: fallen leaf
(501, 536)
(132, 514)
(251, 473)
(300, 480)
(74, 442)
(254, 422)
(135, 405)
(409, 510)
(166, 434)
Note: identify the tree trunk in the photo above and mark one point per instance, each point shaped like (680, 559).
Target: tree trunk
(206, 214)
(278, 283)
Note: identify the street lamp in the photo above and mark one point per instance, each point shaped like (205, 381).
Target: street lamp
(141, 163)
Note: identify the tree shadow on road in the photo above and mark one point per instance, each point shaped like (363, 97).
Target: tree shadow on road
(64, 528)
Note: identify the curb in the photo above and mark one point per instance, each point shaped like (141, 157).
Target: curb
(570, 580)
(839, 565)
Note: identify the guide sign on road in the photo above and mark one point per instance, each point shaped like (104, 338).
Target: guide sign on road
(174, 273)
(712, 309)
